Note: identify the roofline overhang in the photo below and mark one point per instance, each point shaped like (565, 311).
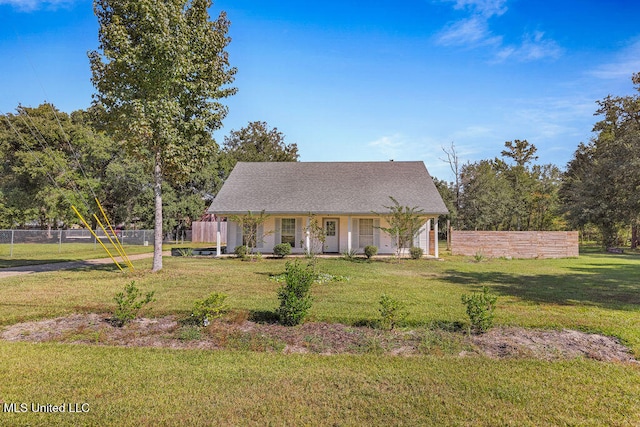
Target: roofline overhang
(317, 213)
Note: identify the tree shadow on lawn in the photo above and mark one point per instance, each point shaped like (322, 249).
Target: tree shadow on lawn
(18, 262)
(611, 286)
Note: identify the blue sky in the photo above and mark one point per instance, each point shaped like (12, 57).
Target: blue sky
(377, 80)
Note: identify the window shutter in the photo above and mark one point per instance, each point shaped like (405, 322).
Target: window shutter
(238, 234)
(355, 234)
(230, 236)
(299, 233)
(260, 236)
(376, 233)
(278, 236)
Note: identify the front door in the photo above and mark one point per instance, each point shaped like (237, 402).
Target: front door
(331, 243)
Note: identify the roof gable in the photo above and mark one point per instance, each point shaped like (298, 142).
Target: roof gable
(326, 188)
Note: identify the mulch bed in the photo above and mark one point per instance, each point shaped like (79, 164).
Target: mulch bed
(319, 338)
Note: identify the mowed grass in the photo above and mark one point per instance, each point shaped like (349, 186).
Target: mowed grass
(127, 386)
(34, 253)
(594, 293)
(149, 387)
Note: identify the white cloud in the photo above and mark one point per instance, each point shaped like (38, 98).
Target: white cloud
(483, 7)
(31, 5)
(533, 47)
(623, 65)
(467, 32)
(475, 31)
(390, 146)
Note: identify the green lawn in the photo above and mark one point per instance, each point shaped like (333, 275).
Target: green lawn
(125, 386)
(34, 253)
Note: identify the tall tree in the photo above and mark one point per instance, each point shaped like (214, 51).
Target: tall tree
(602, 181)
(523, 182)
(486, 196)
(161, 72)
(454, 164)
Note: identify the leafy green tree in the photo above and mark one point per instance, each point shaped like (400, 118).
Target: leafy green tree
(255, 142)
(523, 182)
(485, 197)
(510, 193)
(601, 183)
(447, 191)
(51, 161)
(404, 224)
(253, 232)
(160, 74)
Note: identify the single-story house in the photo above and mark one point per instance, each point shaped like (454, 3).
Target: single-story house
(347, 199)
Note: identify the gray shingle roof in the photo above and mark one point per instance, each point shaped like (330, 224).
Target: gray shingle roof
(326, 188)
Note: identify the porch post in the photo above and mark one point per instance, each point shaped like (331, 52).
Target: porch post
(349, 234)
(217, 236)
(428, 251)
(435, 237)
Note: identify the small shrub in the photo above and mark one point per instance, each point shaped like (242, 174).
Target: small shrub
(350, 255)
(370, 251)
(294, 294)
(282, 250)
(392, 311)
(129, 303)
(479, 256)
(240, 251)
(480, 309)
(205, 310)
(185, 251)
(416, 252)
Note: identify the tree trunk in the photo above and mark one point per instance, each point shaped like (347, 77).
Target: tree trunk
(157, 235)
(634, 235)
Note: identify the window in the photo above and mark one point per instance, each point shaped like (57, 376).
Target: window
(330, 228)
(366, 232)
(288, 231)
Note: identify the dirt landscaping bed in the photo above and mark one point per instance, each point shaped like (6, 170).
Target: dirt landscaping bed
(321, 338)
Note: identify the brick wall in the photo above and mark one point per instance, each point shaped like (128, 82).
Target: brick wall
(515, 244)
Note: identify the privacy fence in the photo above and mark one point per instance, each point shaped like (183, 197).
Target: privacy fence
(515, 244)
(205, 231)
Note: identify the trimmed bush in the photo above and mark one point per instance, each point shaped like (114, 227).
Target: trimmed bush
(294, 294)
(370, 250)
(240, 251)
(416, 252)
(129, 303)
(282, 250)
(480, 308)
(205, 310)
(392, 311)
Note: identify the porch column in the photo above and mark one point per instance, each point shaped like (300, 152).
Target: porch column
(349, 234)
(435, 237)
(428, 251)
(217, 236)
